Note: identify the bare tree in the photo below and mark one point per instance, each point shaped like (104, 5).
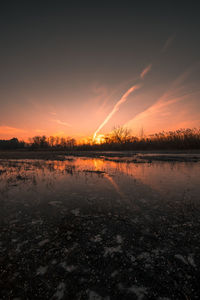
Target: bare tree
(51, 141)
(120, 135)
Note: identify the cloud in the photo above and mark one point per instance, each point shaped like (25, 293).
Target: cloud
(145, 71)
(7, 130)
(179, 91)
(62, 123)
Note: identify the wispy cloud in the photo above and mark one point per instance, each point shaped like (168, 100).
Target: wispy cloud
(62, 123)
(177, 92)
(145, 71)
(11, 130)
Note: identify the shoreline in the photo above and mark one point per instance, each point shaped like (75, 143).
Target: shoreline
(137, 156)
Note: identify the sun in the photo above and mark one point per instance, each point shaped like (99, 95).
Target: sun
(99, 139)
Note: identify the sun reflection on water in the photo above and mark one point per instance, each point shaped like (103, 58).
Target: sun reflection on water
(101, 175)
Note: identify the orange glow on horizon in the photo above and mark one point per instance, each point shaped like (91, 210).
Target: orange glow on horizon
(173, 106)
(99, 139)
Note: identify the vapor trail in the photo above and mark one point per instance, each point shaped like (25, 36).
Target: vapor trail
(145, 71)
(116, 107)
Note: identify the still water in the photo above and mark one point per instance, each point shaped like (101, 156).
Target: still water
(97, 183)
(99, 228)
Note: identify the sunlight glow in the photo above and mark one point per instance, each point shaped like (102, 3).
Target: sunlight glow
(99, 139)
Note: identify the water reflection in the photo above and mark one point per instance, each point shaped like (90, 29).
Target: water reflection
(94, 178)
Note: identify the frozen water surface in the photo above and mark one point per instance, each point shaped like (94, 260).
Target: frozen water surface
(100, 228)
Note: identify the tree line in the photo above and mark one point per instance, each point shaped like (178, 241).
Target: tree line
(119, 139)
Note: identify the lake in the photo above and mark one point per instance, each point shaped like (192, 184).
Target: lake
(107, 227)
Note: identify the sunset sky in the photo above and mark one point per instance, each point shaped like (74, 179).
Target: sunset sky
(66, 69)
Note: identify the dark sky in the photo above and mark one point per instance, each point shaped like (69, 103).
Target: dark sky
(65, 65)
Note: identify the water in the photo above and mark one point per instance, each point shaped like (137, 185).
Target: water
(106, 228)
(97, 183)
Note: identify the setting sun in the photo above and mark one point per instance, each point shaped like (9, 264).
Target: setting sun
(99, 139)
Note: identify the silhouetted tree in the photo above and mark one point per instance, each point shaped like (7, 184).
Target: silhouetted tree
(11, 144)
(120, 135)
(39, 142)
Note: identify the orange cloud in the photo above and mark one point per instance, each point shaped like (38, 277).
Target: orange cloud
(11, 130)
(62, 123)
(178, 92)
(146, 71)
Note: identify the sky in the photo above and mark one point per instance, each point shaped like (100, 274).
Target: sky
(80, 68)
